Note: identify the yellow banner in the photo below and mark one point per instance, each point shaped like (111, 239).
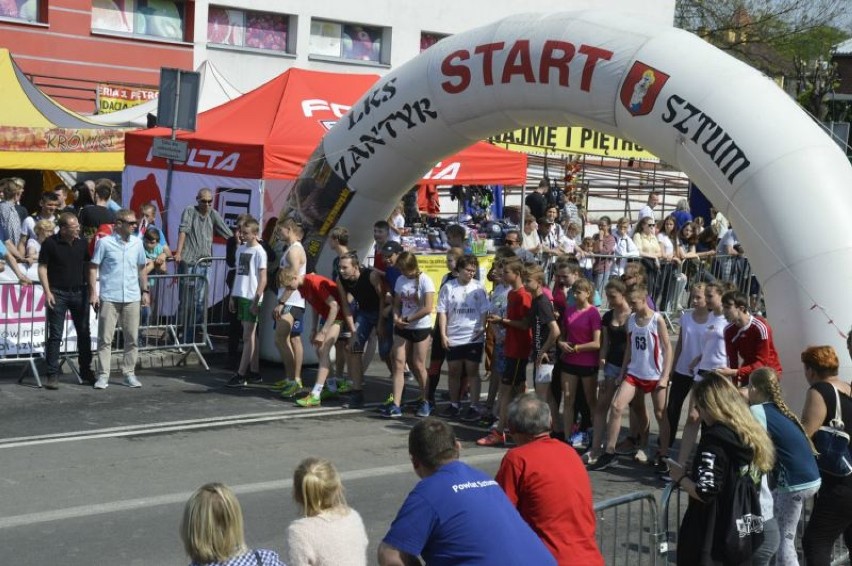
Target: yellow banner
(112, 98)
(576, 140)
(61, 140)
(435, 266)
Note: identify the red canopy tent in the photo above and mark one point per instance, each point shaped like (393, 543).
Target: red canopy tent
(260, 142)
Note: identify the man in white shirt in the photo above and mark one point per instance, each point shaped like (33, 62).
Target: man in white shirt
(648, 210)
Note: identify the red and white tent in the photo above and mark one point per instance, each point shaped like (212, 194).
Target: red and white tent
(250, 150)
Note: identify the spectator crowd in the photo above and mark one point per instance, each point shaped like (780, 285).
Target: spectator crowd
(533, 323)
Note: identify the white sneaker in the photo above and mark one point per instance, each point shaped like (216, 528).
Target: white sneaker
(102, 382)
(641, 456)
(131, 381)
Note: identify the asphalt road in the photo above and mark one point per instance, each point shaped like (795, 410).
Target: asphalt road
(100, 477)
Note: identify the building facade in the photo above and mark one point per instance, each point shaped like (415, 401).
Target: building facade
(69, 47)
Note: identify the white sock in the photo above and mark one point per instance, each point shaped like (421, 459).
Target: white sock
(315, 392)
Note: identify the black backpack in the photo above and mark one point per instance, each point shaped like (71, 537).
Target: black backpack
(740, 520)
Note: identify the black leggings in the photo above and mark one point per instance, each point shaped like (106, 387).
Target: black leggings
(680, 385)
(831, 517)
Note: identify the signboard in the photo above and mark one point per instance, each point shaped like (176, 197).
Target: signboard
(568, 140)
(169, 149)
(177, 106)
(112, 98)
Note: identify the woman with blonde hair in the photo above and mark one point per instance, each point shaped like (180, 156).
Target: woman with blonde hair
(796, 474)
(733, 444)
(832, 513)
(331, 533)
(212, 530)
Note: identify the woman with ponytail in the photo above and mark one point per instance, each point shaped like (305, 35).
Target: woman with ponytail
(795, 473)
(331, 533)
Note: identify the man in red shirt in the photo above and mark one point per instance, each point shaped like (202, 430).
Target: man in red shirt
(516, 347)
(545, 479)
(321, 293)
(747, 338)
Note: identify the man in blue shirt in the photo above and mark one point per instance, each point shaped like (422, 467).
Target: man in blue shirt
(119, 260)
(443, 518)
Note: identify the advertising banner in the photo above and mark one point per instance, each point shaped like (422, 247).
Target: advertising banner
(62, 140)
(112, 98)
(570, 140)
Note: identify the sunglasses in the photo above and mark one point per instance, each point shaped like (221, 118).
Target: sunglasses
(129, 222)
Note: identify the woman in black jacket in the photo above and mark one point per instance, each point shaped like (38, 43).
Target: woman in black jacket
(732, 444)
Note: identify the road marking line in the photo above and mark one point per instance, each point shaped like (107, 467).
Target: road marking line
(172, 426)
(82, 511)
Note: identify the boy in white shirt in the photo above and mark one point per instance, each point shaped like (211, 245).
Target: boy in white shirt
(246, 298)
(462, 307)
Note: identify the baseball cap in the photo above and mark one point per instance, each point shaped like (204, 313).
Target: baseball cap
(391, 248)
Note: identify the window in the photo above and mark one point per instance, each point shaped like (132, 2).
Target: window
(155, 18)
(428, 39)
(27, 11)
(354, 42)
(245, 28)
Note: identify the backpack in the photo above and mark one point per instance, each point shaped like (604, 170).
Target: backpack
(740, 519)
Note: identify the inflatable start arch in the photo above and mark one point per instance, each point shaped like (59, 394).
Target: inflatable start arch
(783, 183)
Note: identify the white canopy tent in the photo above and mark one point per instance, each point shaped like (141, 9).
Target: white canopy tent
(215, 91)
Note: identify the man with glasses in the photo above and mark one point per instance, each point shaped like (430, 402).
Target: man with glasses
(62, 272)
(195, 241)
(513, 241)
(119, 262)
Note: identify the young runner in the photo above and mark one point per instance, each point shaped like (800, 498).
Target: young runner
(545, 332)
(290, 310)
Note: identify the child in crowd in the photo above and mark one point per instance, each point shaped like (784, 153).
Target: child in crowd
(462, 306)
(499, 298)
(414, 296)
(157, 255)
(545, 332)
(43, 229)
(249, 286)
(331, 532)
(322, 294)
(516, 348)
(646, 367)
(290, 310)
(585, 257)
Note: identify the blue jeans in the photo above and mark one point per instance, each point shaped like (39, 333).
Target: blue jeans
(75, 301)
(193, 299)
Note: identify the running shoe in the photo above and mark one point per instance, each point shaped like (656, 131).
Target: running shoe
(327, 393)
(425, 409)
(494, 438)
(660, 465)
(473, 414)
(605, 460)
(237, 380)
(290, 389)
(626, 447)
(450, 412)
(254, 378)
(588, 459)
(309, 401)
(392, 412)
(576, 439)
(355, 401)
(344, 386)
(641, 456)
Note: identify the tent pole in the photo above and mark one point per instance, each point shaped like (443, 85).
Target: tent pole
(261, 190)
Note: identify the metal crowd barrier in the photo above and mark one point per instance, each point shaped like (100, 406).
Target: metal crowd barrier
(628, 530)
(219, 282)
(673, 503)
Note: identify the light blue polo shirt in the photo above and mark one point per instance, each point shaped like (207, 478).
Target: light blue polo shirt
(119, 261)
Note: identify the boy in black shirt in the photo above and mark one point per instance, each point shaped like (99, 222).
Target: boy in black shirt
(545, 332)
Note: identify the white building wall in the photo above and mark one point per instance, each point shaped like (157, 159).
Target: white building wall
(406, 20)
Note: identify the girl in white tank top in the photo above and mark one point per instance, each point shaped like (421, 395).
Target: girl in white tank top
(646, 360)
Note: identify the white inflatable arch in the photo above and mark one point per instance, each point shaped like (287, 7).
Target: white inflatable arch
(783, 183)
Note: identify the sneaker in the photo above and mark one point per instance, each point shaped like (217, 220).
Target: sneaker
(355, 401)
(576, 440)
(309, 401)
(101, 383)
(88, 376)
(425, 409)
(626, 447)
(450, 412)
(660, 465)
(408, 375)
(52, 382)
(603, 462)
(588, 459)
(392, 412)
(254, 378)
(344, 386)
(472, 414)
(641, 456)
(494, 438)
(290, 389)
(486, 420)
(327, 394)
(236, 380)
(131, 381)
